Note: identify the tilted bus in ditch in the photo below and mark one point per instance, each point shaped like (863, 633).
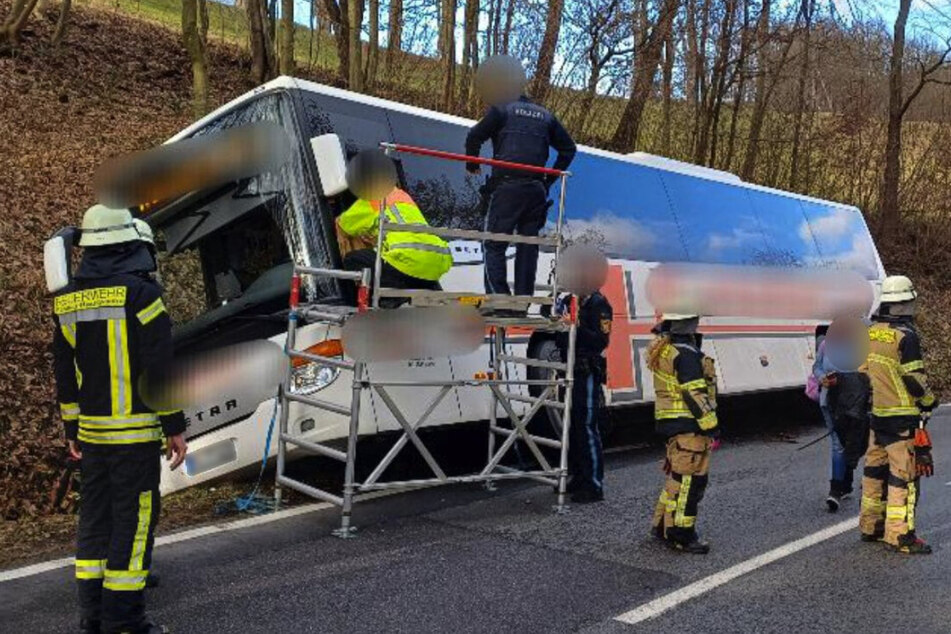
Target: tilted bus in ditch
(642, 210)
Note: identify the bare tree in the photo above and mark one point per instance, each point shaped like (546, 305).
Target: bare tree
(262, 47)
(338, 12)
(740, 93)
(646, 61)
(546, 54)
(195, 35)
(355, 21)
(447, 50)
(807, 9)
(62, 22)
(470, 51)
(394, 35)
(14, 22)
(507, 30)
(712, 97)
(286, 52)
(373, 51)
(667, 90)
(898, 104)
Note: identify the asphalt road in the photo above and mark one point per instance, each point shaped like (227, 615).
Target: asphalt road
(464, 560)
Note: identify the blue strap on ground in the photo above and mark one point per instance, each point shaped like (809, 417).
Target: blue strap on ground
(253, 502)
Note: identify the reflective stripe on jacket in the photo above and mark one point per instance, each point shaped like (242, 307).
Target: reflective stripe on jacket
(419, 255)
(894, 361)
(685, 391)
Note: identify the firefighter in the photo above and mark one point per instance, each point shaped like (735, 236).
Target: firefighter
(585, 452)
(112, 332)
(685, 412)
(521, 132)
(410, 260)
(900, 399)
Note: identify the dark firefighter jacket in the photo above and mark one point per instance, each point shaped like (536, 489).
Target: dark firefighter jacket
(111, 329)
(594, 333)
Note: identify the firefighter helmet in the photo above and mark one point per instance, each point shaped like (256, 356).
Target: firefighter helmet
(104, 226)
(145, 231)
(897, 289)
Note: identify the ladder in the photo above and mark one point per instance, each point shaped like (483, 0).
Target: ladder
(505, 430)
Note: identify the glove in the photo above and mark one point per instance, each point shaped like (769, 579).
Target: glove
(924, 461)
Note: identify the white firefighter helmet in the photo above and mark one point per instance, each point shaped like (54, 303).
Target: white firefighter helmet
(897, 289)
(103, 226)
(145, 231)
(677, 317)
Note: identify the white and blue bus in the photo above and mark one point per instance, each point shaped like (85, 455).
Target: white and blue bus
(641, 209)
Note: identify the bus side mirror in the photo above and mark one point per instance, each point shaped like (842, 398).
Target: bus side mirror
(331, 163)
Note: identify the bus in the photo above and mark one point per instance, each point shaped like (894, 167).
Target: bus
(240, 242)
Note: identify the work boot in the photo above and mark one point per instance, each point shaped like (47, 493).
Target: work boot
(148, 626)
(834, 500)
(695, 547)
(911, 545)
(587, 496)
(658, 531)
(877, 536)
(89, 626)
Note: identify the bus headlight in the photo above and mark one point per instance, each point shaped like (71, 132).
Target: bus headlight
(312, 377)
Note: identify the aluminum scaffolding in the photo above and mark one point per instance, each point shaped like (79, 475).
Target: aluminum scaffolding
(504, 431)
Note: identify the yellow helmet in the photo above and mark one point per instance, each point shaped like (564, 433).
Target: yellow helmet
(144, 230)
(897, 289)
(104, 226)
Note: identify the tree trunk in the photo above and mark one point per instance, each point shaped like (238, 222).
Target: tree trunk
(713, 99)
(470, 51)
(62, 23)
(192, 26)
(355, 22)
(287, 37)
(808, 6)
(394, 35)
(338, 12)
(668, 90)
(16, 20)
(546, 54)
(373, 53)
(761, 99)
(447, 50)
(588, 98)
(741, 86)
(691, 72)
(645, 68)
(888, 205)
(509, 14)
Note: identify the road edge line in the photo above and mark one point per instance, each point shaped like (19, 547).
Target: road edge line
(662, 604)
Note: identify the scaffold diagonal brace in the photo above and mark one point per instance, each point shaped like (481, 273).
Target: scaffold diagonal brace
(517, 431)
(409, 433)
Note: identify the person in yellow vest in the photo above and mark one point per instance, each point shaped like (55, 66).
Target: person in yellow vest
(410, 260)
(900, 399)
(685, 411)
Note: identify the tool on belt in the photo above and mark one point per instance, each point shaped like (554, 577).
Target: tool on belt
(924, 462)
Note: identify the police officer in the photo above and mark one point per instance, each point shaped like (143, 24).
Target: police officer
(112, 332)
(900, 398)
(685, 413)
(521, 132)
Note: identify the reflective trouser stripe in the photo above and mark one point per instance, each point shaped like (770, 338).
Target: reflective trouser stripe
(90, 568)
(680, 518)
(125, 580)
(872, 505)
(896, 512)
(912, 500)
(669, 504)
(141, 531)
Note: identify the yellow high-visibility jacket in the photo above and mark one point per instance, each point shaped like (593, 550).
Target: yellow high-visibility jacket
(418, 255)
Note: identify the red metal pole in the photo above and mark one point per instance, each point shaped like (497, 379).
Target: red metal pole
(465, 158)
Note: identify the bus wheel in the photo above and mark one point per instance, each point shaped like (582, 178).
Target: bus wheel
(544, 349)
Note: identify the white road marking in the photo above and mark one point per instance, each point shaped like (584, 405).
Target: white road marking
(201, 531)
(662, 604)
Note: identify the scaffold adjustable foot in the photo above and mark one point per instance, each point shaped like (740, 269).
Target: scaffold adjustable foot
(346, 531)
(490, 486)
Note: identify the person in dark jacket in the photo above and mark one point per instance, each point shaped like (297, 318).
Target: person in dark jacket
(521, 131)
(112, 334)
(585, 451)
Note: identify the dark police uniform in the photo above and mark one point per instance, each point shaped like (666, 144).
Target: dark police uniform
(585, 453)
(112, 328)
(521, 132)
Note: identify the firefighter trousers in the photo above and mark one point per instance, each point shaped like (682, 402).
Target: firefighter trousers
(889, 487)
(585, 453)
(676, 513)
(119, 507)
